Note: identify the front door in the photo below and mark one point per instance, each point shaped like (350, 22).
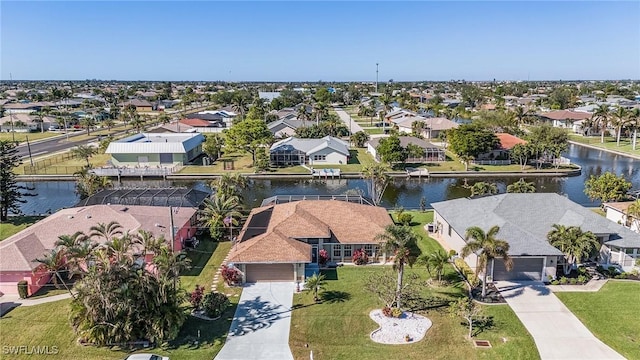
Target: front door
(314, 254)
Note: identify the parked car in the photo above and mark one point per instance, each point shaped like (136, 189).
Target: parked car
(146, 357)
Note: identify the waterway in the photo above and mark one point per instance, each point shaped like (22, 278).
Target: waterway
(54, 195)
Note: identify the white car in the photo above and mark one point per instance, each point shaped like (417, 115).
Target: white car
(146, 357)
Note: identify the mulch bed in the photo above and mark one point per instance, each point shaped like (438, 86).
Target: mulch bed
(493, 295)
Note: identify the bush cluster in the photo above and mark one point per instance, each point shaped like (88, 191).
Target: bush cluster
(214, 304)
(391, 312)
(23, 289)
(466, 271)
(360, 257)
(231, 275)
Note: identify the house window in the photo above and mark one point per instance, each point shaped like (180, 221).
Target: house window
(337, 251)
(628, 251)
(368, 249)
(319, 157)
(449, 230)
(347, 250)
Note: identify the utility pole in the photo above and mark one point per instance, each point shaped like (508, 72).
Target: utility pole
(376, 77)
(29, 148)
(13, 133)
(173, 240)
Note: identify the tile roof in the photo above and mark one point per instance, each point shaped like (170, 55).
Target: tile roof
(18, 251)
(525, 220)
(270, 231)
(567, 115)
(508, 141)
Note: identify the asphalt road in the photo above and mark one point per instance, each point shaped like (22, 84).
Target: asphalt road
(55, 144)
(353, 126)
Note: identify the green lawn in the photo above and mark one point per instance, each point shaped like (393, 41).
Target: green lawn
(339, 327)
(611, 314)
(48, 324)
(16, 224)
(374, 131)
(359, 158)
(64, 167)
(22, 137)
(609, 143)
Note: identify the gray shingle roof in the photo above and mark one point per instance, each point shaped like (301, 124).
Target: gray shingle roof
(311, 146)
(525, 220)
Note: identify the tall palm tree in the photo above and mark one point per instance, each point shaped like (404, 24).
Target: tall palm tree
(239, 105)
(230, 185)
(315, 283)
(402, 242)
(87, 122)
(487, 247)
(634, 124)
(54, 263)
(106, 231)
(620, 117)
(521, 186)
(378, 180)
(573, 242)
(84, 152)
(109, 123)
(219, 208)
(436, 261)
(602, 115)
(149, 243)
(520, 115)
(302, 114)
(320, 110)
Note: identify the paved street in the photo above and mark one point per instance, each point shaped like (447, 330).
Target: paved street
(260, 327)
(354, 127)
(56, 144)
(558, 333)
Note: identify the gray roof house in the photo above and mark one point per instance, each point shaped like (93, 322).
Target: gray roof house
(295, 151)
(524, 221)
(155, 149)
(286, 127)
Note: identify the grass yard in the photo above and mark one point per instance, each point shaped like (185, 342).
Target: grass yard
(22, 137)
(339, 326)
(611, 314)
(64, 167)
(359, 157)
(48, 325)
(16, 224)
(374, 131)
(609, 143)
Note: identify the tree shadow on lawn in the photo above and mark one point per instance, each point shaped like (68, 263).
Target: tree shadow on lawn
(426, 303)
(481, 325)
(196, 333)
(334, 296)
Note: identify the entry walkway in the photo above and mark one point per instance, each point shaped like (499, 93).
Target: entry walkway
(558, 333)
(260, 327)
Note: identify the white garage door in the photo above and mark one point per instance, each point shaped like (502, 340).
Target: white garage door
(269, 272)
(523, 269)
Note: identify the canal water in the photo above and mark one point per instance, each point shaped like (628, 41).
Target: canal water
(54, 195)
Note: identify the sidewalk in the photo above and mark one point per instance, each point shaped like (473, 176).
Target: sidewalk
(8, 302)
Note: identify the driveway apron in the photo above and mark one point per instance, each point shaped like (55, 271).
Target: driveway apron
(260, 327)
(558, 333)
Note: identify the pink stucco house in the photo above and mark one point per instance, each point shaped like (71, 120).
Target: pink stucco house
(18, 252)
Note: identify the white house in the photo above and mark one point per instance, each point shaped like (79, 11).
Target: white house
(524, 221)
(617, 212)
(295, 151)
(156, 149)
(432, 153)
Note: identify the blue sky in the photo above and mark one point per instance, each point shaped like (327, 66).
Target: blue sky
(330, 41)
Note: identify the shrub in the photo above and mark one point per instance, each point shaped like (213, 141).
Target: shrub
(635, 272)
(360, 257)
(621, 276)
(196, 296)
(573, 281)
(231, 275)
(582, 270)
(612, 270)
(582, 279)
(555, 282)
(396, 312)
(214, 304)
(638, 262)
(563, 280)
(405, 219)
(23, 289)
(466, 271)
(323, 257)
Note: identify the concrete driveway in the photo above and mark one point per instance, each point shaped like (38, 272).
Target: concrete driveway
(260, 327)
(558, 333)
(351, 124)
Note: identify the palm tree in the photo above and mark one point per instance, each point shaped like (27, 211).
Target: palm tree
(601, 115)
(436, 261)
(109, 123)
(66, 242)
(137, 123)
(634, 124)
(320, 110)
(620, 117)
(106, 231)
(487, 248)
(402, 242)
(84, 152)
(482, 188)
(54, 263)
(573, 242)
(315, 283)
(379, 179)
(302, 114)
(87, 122)
(230, 185)
(219, 208)
(520, 115)
(521, 186)
(633, 214)
(239, 105)
(149, 243)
